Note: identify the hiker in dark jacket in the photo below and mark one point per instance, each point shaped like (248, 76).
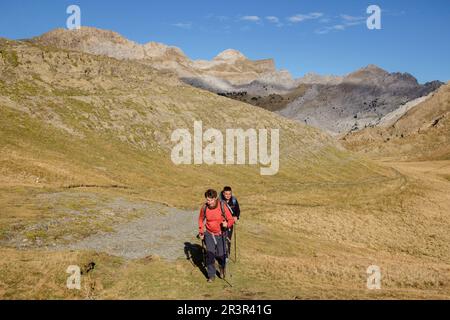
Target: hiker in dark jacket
(231, 201)
(214, 219)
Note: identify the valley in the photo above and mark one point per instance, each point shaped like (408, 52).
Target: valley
(87, 179)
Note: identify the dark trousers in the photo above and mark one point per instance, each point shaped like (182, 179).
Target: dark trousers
(214, 252)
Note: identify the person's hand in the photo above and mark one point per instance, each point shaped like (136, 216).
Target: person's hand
(235, 219)
(225, 224)
(202, 236)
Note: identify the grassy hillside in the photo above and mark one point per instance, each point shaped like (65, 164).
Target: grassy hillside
(72, 119)
(80, 131)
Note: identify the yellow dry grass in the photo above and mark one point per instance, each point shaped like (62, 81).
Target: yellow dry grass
(309, 232)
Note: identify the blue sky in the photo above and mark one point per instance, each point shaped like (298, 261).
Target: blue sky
(327, 37)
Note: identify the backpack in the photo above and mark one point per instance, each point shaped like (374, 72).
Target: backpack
(222, 208)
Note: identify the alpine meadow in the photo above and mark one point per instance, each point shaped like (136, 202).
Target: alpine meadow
(129, 170)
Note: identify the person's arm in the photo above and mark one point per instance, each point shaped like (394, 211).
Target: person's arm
(237, 210)
(229, 216)
(201, 223)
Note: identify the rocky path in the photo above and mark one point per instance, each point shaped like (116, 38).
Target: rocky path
(101, 222)
(161, 232)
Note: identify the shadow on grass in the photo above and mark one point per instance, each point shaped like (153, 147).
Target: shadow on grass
(194, 253)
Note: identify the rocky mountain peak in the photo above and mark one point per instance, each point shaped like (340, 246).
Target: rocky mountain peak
(61, 36)
(230, 54)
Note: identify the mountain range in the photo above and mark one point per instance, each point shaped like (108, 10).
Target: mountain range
(336, 104)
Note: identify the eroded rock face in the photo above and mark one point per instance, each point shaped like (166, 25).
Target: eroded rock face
(419, 130)
(314, 78)
(360, 99)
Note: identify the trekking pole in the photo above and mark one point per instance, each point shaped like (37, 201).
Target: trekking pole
(224, 252)
(203, 249)
(228, 242)
(225, 258)
(204, 253)
(235, 242)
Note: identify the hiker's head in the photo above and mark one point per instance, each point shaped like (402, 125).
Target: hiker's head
(211, 197)
(227, 193)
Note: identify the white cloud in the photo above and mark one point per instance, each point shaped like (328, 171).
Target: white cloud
(182, 25)
(273, 19)
(346, 22)
(350, 21)
(303, 17)
(316, 15)
(354, 23)
(298, 18)
(325, 30)
(338, 27)
(349, 18)
(251, 18)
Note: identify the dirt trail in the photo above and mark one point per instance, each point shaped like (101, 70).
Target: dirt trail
(162, 232)
(429, 171)
(103, 222)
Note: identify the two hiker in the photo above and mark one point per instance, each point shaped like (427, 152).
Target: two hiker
(215, 219)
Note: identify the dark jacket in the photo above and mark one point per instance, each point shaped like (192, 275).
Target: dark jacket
(233, 204)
